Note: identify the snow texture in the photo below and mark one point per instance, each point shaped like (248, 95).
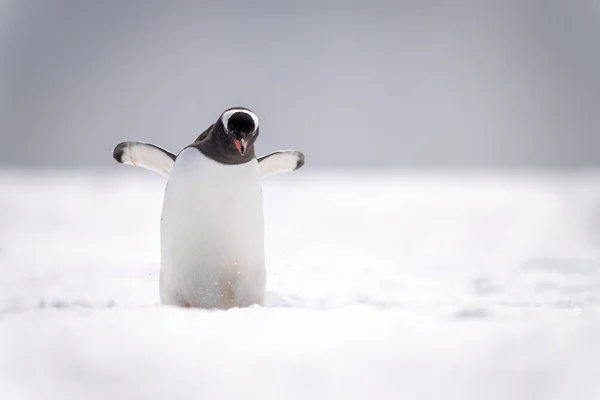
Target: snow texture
(380, 286)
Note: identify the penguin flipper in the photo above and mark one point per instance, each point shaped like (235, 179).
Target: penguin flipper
(279, 161)
(145, 155)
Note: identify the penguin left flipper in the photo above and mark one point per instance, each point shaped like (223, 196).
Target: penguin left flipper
(145, 155)
(279, 161)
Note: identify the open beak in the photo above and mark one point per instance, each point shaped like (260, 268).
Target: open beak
(240, 145)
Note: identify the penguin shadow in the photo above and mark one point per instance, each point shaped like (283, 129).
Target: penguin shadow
(277, 300)
(272, 300)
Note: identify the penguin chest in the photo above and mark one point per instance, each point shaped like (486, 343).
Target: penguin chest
(212, 227)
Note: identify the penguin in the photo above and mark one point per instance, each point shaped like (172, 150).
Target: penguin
(212, 221)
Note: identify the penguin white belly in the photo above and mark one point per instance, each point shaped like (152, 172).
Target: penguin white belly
(212, 234)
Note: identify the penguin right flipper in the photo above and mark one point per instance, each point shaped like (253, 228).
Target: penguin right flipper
(279, 161)
(145, 155)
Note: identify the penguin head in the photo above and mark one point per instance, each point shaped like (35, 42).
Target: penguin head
(238, 127)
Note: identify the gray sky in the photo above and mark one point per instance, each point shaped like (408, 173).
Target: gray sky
(396, 83)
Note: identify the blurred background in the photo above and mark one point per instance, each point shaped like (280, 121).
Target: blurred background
(405, 83)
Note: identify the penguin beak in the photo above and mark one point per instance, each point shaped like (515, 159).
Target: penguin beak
(240, 145)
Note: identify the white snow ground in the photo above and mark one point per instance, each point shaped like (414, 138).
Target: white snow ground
(380, 286)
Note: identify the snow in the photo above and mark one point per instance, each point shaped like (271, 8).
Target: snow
(385, 285)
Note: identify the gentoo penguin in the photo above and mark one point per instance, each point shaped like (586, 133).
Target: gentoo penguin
(212, 227)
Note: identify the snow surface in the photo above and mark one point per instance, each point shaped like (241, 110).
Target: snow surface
(380, 286)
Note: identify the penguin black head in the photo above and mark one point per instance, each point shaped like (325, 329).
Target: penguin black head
(230, 140)
(238, 127)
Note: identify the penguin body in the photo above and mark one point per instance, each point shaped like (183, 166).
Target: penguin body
(212, 234)
(212, 222)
